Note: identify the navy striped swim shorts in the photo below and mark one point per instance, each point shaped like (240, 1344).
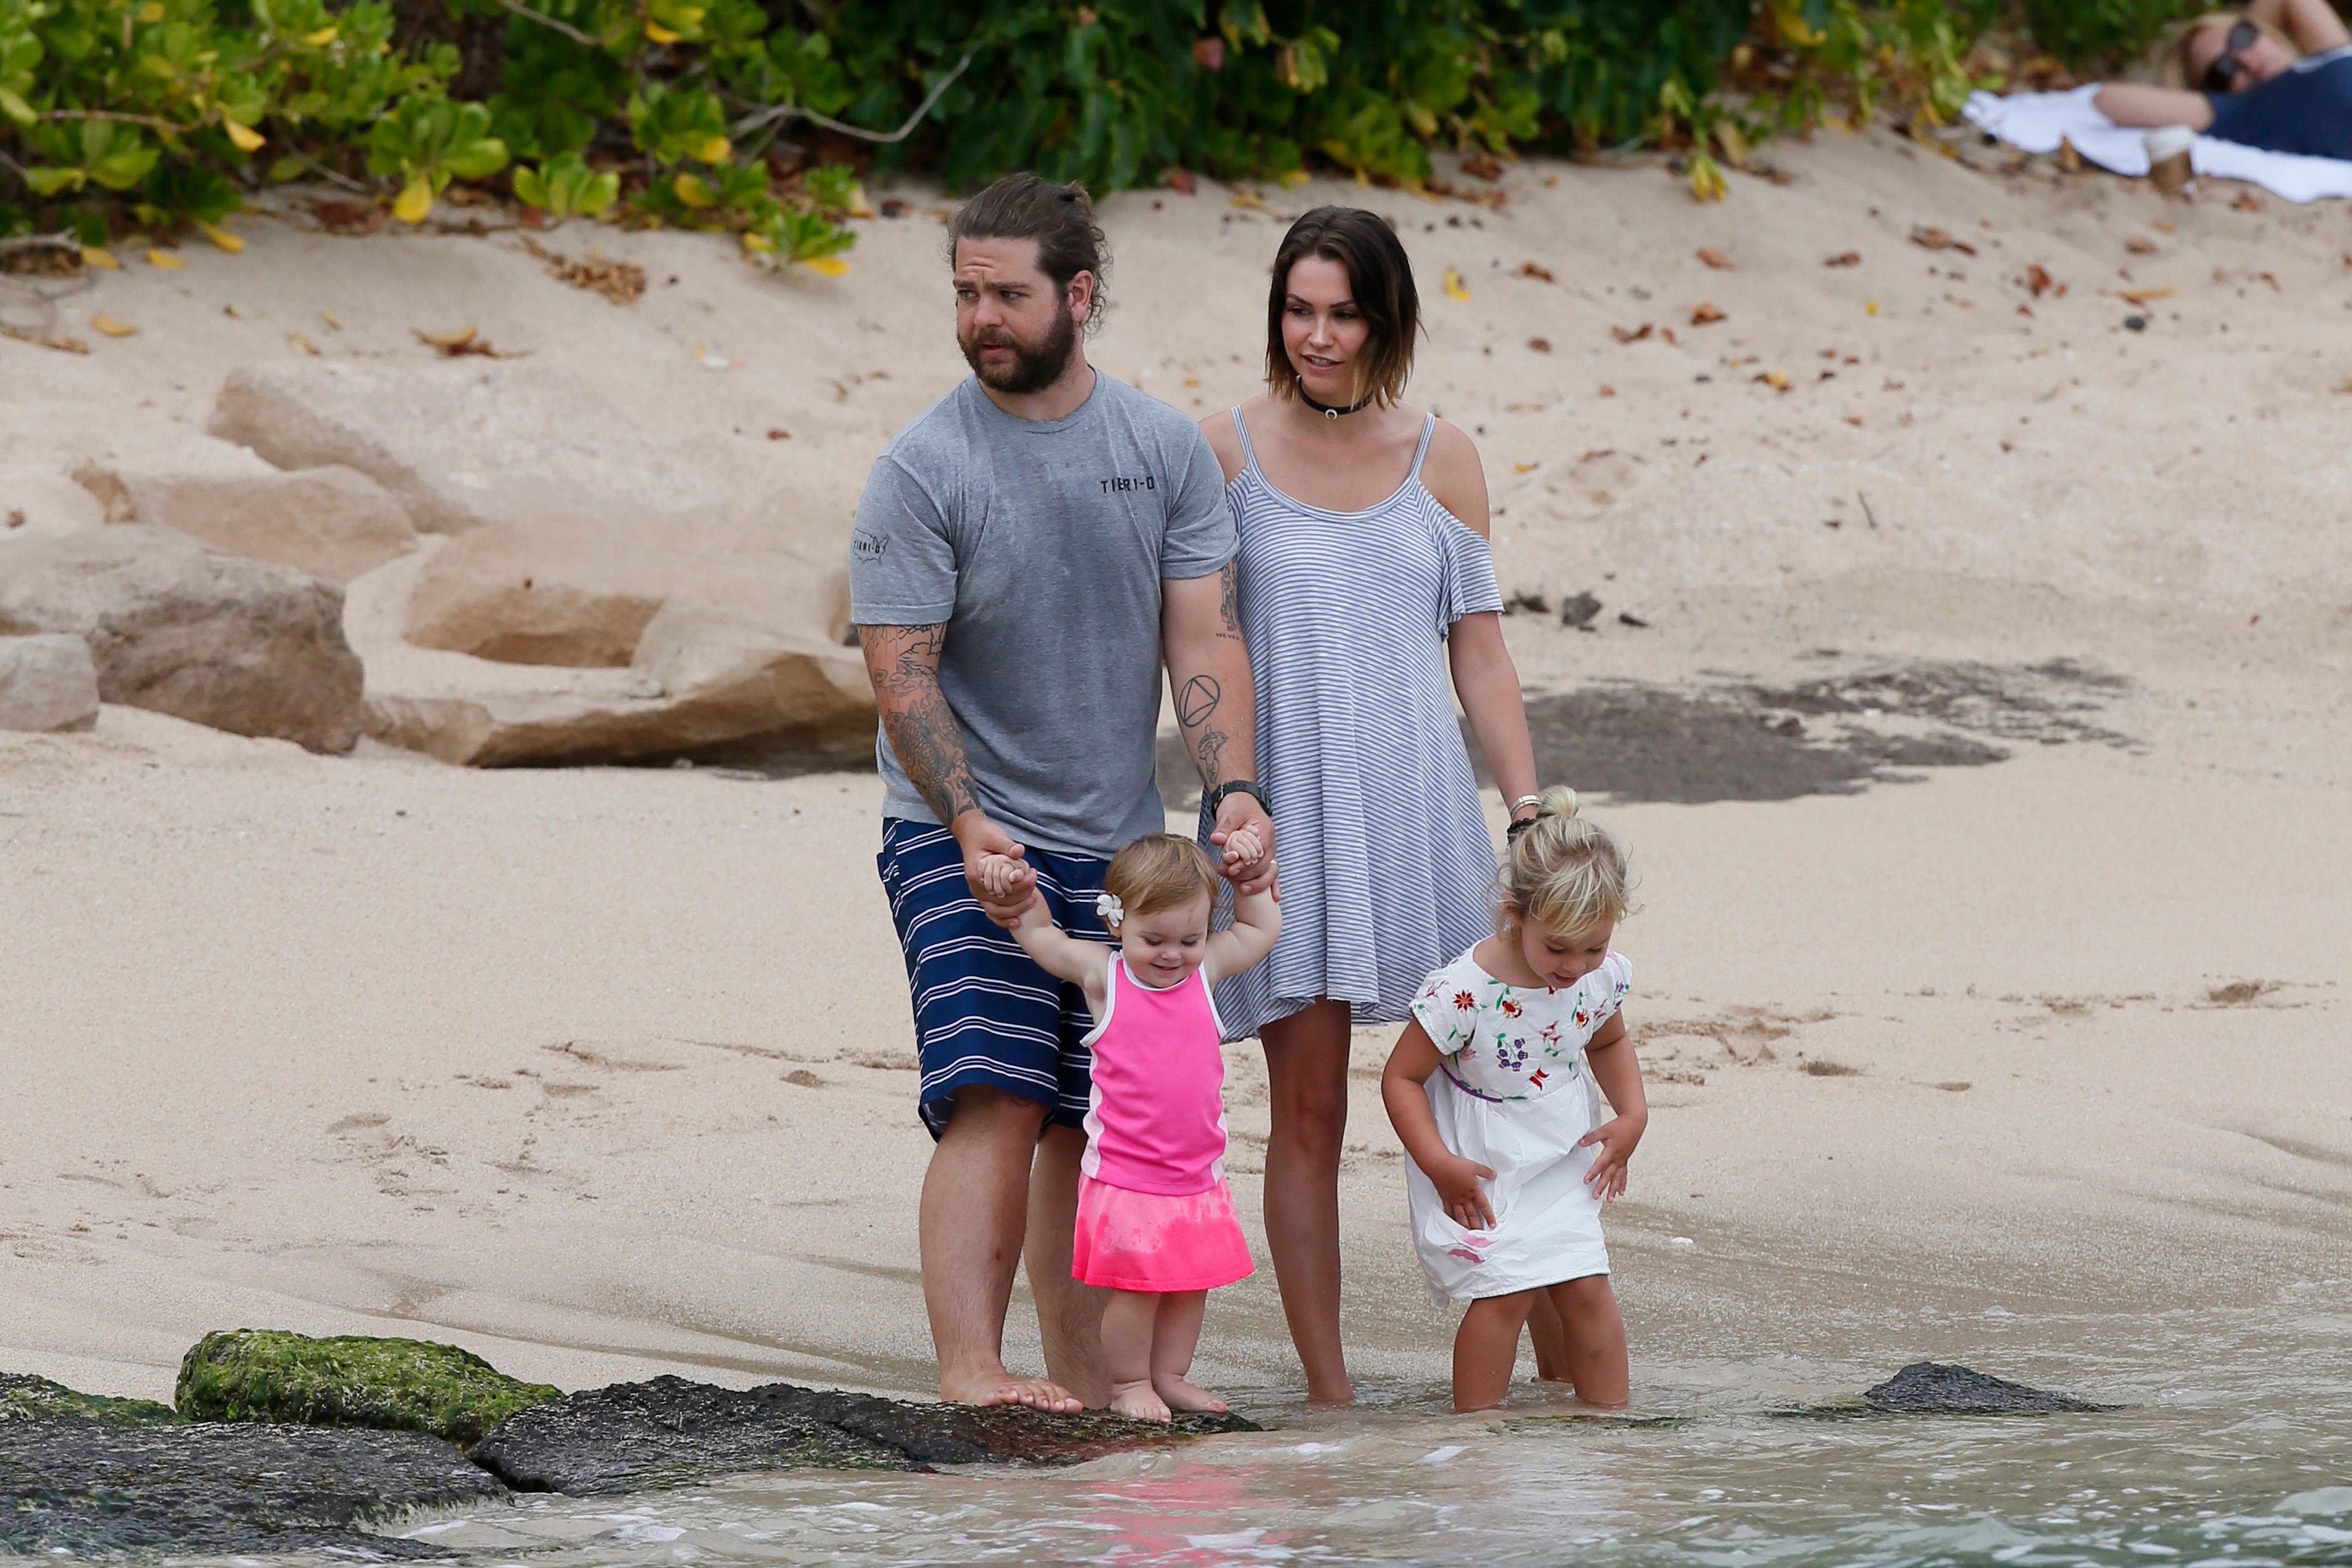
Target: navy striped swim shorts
(985, 1012)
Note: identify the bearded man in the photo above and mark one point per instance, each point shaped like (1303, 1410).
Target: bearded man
(1025, 558)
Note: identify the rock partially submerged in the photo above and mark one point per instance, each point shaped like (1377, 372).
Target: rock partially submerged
(93, 1486)
(406, 1386)
(638, 1435)
(1937, 1388)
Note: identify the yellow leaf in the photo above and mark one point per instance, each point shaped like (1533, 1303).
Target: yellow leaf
(758, 244)
(1706, 180)
(334, 325)
(99, 258)
(827, 266)
(1523, 467)
(715, 151)
(151, 13)
(321, 38)
(2142, 296)
(1734, 144)
(1293, 178)
(300, 344)
(692, 191)
(1455, 289)
(457, 339)
(859, 207)
(165, 259)
(1871, 309)
(1777, 380)
(221, 238)
(416, 200)
(660, 34)
(102, 322)
(246, 138)
(1250, 199)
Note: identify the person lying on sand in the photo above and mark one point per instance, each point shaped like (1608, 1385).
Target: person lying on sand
(1025, 558)
(2277, 76)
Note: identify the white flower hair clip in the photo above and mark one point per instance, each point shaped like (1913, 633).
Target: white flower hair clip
(1109, 911)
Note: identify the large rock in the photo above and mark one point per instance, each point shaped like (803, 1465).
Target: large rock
(248, 647)
(462, 444)
(100, 1487)
(637, 1435)
(48, 683)
(36, 501)
(703, 674)
(576, 592)
(400, 1386)
(334, 522)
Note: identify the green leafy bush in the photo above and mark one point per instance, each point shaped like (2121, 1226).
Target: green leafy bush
(711, 114)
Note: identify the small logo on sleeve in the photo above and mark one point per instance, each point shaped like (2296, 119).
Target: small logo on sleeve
(868, 546)
(1114, 487)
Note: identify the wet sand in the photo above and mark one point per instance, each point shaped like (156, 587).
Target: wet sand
(608, 1071)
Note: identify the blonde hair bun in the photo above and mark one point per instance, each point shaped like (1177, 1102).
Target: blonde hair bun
(1565, 871)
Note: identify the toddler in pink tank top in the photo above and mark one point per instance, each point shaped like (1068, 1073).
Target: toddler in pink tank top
(1156, 1223)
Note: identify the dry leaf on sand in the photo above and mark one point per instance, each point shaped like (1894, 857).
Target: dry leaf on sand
(1716, 259)
(1543, 274)
(300, 344)
(1705, 315)
(1455, 288)
(620, 281)
(166, 260)
(2139, 245)
(1630, 335)
(1937, 239)
(1844, 258)
(1777, 380)
(60, 342)
(2037, 280)
(1540, 345)
(112, 326)
(2142, 296)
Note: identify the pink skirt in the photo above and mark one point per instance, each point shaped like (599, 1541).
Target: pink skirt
(1155, 1243)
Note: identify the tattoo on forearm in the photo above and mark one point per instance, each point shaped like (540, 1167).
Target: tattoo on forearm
(1228, 599)
(904, 663)
(1208, 754)
(1196, 699)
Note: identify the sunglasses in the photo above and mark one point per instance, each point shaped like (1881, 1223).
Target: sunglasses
(2222, 76)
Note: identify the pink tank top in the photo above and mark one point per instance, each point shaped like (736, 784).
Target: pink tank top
(1156, 1121)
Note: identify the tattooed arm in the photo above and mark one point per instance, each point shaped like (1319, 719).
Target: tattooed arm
(903, 662)
(1216, 706)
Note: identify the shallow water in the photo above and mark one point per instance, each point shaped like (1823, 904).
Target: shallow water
(2235, 1448)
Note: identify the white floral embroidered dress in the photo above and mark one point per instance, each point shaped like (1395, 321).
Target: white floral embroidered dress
(1514, 1094)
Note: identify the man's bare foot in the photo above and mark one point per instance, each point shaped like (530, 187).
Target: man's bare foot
(1003, 1388)
(1137, 1401)
(1181, 1395)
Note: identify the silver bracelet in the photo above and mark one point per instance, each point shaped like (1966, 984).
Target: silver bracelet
(1527, 800)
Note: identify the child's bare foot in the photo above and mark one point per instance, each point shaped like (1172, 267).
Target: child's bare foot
(1137, 1401)
(1181, 1395)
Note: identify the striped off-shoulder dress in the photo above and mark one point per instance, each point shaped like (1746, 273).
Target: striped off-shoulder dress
(1388, 865)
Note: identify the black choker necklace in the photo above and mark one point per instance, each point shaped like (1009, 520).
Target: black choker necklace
(1327, 410)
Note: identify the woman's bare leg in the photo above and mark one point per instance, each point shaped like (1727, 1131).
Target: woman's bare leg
(1486, 1350)
(1597, 1361)
(1307, 1074)
(1175, 1334)
(1127, 1329)
(1549, 1336)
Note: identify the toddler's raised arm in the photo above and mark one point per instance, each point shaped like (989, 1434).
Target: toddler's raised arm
(1258, 920)
(1058, 954)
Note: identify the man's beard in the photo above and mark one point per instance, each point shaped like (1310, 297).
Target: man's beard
(1035, 364)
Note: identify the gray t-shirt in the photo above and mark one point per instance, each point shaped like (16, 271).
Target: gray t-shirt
(1042, 546)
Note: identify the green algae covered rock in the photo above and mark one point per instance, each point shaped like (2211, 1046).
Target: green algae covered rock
(26, 1398)
(403, 1386)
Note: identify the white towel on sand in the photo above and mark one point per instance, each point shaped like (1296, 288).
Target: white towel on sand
(2038, 121)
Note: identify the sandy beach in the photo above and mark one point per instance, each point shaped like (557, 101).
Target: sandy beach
(1969, 678)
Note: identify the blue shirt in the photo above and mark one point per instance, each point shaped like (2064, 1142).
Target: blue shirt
(2308, 109)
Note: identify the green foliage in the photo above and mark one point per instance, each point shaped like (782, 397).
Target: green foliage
(2089, 33)
(406, 1386)
(565, 186)
(669, 110)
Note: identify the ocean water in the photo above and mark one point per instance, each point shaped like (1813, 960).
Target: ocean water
(2234, 1448)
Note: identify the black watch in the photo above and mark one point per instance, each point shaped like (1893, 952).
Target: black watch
(1238, 786)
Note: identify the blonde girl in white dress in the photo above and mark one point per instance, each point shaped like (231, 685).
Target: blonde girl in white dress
(1494, 1088)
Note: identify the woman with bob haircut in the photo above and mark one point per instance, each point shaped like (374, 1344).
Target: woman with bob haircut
(1367, 594)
